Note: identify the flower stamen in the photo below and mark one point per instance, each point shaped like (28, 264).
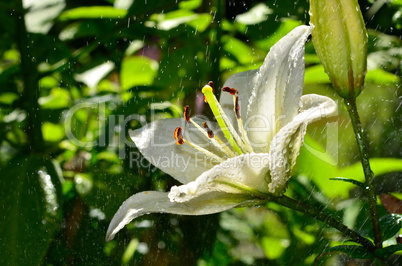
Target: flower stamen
(215, 139)
(207, 133)
(245, 144)
(178, 135)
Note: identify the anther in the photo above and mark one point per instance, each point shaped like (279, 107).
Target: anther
(209, 131)
(178, 135)
(237, 107)
(186, 114)
(211, 84)
(245, 144)
(232, 91)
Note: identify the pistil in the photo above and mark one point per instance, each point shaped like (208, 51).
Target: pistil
(222, 119)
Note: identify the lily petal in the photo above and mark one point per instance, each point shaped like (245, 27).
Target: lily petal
(272, 93)
(157, 144)
(244, 174)
(285, 146)
(155, 201)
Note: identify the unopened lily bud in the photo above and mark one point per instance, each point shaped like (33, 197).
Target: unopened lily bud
(340, 40)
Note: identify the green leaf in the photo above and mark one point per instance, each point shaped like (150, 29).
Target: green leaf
(316, 74)
(29, 211)
(353, 251)
(8, 97)
(190, 5)
(390, 225)
(273, 247)
(355, 182)
(312, 153)
(379, 166)
(137, 70)
(396, 2)
(52, 132)
(242, 52)
(93, 12)
(285, 27)
(387, 251)
(57, 98)
(381, 76)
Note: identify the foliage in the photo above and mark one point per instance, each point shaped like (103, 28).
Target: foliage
(75, 77)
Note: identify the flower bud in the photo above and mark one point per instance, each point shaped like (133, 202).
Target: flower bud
(340, 40)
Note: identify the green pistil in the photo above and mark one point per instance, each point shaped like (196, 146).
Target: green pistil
(210, 97)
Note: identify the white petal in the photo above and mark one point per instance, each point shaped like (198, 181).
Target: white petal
(153, 201)
(286, 144)
(157, 144)
(244, 174)
(272, 93)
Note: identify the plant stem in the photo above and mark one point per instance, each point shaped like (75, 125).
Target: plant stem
(30, 77)
(323, 217)
(368, 174)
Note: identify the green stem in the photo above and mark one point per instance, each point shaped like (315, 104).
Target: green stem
(323, 217)
(368, 174)
(30, 78)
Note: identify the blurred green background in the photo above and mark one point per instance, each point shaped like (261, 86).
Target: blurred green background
(75, 76)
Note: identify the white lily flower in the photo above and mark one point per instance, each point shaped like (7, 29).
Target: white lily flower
(229, 164)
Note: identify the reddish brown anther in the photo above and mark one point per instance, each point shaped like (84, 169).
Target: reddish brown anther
(209, 131)
(237, 107)
(211, 84)
(230, 90)
(186, 114)
(178, 135)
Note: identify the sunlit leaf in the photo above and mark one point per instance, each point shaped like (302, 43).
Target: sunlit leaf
(201, 23)
(284, 28)
(242, 52)
(273, 247)
(380, 76)
(8, 97)
(316, 74)
(317, 164)
(57, 98)
(52, 132)
(379, 166)
(190, 4)
(137, 70)
(93, 12)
